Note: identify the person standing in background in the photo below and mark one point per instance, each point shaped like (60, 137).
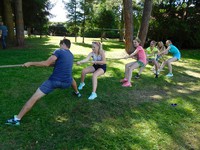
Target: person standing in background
(3, 34)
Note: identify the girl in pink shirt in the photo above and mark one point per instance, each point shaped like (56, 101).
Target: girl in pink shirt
(139, 53)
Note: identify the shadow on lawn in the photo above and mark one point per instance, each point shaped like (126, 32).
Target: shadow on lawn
(108, 46)
(120, 118)
(128, 118)
(190, 54)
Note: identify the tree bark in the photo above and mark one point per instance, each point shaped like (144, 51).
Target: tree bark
(128, 18)
(19, 23)
(145, 21)
(9, 21)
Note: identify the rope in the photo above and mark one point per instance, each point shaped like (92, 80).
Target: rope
(11, 66)
(20, 65)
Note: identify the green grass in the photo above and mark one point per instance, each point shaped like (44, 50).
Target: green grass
(140, 117)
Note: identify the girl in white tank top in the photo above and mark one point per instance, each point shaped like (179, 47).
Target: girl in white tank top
(98, 67)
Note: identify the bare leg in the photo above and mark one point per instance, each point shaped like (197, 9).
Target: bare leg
(97, 73)
(74, 86)
(127, 67)
(156, 66)
(29, 104)
(169, 61)
(141, 70)
(163, 65)
(86, 71)
(132, 67)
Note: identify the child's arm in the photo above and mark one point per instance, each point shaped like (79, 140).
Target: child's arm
(165, 51)
(103, 61)
(85, 60)
(132, 55)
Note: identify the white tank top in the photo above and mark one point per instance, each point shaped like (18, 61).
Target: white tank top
(96, 57)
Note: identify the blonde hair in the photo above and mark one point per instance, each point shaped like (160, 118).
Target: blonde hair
(99, 44)
(161, 46)
(169, 41)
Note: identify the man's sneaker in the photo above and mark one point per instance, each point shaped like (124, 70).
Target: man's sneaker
(169, 75)
(81, 85)
(137, 76)
(77, 94)
(13, 121)
(127, 84)
(123, 80)
(92, 96)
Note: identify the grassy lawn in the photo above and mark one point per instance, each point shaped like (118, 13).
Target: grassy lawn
(140, 117)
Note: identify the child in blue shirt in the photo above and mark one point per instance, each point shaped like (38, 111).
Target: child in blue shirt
(176, 56)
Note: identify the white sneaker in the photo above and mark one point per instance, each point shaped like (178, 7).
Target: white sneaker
(169, 75)
(92, 96)
(81, 85)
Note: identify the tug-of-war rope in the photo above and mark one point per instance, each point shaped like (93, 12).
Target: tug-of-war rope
(22, 65)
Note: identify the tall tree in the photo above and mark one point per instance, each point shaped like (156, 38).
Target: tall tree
(73, 16)
(84, 17)
(145, 21)
(38, 10)
(116, 6)
(128, 17)
(8, 17)
(19, 23)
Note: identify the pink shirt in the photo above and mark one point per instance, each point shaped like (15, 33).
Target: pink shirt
(141, 55)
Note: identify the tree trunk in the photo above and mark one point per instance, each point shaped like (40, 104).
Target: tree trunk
(9, 21)
(145, 21)
(19, 23)
(128, 18)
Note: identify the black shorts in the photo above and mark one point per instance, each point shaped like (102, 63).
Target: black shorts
(100, 66)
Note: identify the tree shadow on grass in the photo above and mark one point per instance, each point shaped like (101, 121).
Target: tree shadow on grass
(119, 122)
(140, 117)
(128, 118)
(108, 46)
(83, 45)
(190, 54)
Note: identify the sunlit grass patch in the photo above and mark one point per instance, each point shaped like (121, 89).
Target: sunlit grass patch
(139, 117)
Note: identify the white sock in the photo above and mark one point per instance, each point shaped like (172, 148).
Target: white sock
(15, 118)
(77, 92)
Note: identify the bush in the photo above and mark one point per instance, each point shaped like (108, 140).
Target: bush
(96, 33)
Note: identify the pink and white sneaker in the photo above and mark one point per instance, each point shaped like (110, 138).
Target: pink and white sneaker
(127, 84)
(123, 80)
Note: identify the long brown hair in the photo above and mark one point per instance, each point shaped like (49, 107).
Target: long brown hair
(99, 45)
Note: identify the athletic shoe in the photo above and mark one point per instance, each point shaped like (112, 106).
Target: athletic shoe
(77, 94)
(137, 76)
(169, 75)
(123, 80)
(127, 84)
(92, 96)
(81, 85)
(13, 121)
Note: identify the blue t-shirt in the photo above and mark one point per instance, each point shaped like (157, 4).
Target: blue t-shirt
(4, 30)
(174, 51)
(63, 66)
